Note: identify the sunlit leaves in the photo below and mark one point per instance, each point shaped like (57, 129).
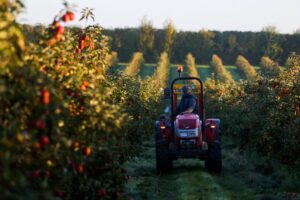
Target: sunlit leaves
(191, 65)
(220, 72)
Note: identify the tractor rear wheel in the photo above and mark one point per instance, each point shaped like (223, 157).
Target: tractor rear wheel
(213, 161)
(163, 161)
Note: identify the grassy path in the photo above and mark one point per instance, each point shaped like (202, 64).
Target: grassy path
(188, 180)
(245, 176)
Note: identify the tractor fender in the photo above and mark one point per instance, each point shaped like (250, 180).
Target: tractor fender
(162, 131)
(213, 130)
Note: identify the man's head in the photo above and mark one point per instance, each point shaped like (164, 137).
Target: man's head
(187, 89)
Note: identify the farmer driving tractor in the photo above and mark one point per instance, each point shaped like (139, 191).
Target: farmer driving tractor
(189, 135)
(188, 102)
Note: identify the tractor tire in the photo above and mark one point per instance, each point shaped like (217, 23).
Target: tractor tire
(213, 161)
(164, 163)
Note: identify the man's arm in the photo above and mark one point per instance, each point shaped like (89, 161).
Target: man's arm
(189, 110)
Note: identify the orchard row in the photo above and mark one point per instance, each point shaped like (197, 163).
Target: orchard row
(67, 126)
(261, 112)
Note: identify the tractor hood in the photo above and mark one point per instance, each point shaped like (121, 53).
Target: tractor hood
(187, 121)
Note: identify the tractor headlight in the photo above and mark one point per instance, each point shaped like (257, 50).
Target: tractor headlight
(188, 133)
(213, 126)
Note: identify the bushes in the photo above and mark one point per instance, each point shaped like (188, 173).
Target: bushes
(221, 73)
(136, 62)
(248, 70)
(262, 114)
(56, 125)
(12, 40)
(66, 127)
(112, 59)
(161, 74)
(268, 66)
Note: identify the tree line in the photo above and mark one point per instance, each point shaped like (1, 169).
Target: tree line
(202, 44)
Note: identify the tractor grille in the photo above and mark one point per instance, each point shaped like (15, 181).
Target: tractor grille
(188, 143)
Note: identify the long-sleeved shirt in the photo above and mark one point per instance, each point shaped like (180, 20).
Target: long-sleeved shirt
(187, 101)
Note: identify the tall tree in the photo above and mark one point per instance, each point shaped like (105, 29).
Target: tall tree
(206, 50)
(133, 68)
(268, 66)
(191, 65)
(221, 73)
(169, 35)
(146, 35)
(272, 42)
(163, 69)
(249, 71)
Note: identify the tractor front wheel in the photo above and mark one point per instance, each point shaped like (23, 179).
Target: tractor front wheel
(213, 161)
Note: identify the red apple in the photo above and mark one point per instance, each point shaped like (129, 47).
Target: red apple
(71, 15)
(87, 151)
(44, 174)
(51, 41)
(45, 96)
(43, 140)
(117, 195)
(60, 193)
(102, 192)
(79, 168)
(66, 17)
(56, 23)
(34, 174)
(60, 30)
(40, 124)
(58, 36)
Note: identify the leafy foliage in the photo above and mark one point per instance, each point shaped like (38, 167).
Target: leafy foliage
(133, 67)
(262, 113)
(66, 126)
(146, 37)
(162, 72)
(112, 59)
(271, 42)
(248, 70)
(191, 65)
(87, 13)
(221, 73)
(268, 66)
(12, 40)
(169, 36)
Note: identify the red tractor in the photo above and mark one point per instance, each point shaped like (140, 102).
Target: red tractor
(187, 135)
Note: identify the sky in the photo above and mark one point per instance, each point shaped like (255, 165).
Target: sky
(187, 15)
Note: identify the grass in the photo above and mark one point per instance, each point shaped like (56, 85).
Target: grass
(188, 180)
(147, 70)
(235, 72)
(204, 71)
(246, 175)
